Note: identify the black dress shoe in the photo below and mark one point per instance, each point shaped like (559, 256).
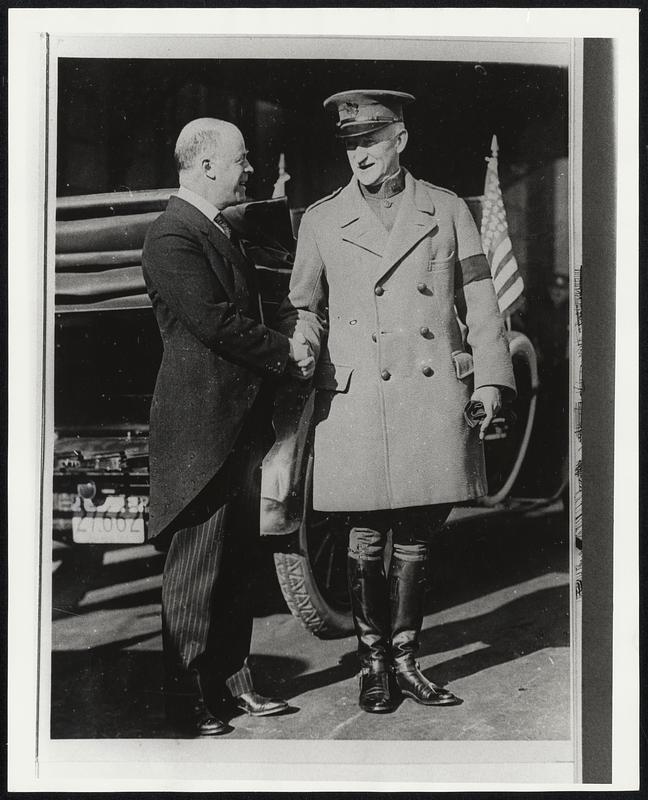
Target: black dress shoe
(256, 705)
(195, 717)
(376, 696)
(412, 683)
(187, 708)
(206, 724)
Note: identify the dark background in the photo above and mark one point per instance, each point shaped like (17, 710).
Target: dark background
(119, 119)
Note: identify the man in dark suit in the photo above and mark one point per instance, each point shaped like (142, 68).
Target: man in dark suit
(209, 421)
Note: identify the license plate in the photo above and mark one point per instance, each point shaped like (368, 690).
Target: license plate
(114, 522)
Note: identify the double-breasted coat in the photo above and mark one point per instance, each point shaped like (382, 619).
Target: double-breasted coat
(396, 367)
(216, 354)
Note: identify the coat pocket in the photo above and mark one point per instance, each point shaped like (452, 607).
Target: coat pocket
(440, 262)
(463, 363)
(333, 377)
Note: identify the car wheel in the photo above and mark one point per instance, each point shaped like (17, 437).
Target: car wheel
(312, 574)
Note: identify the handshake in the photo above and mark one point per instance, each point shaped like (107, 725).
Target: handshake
(302, 363)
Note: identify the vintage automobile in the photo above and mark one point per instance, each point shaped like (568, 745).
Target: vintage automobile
(107, 352)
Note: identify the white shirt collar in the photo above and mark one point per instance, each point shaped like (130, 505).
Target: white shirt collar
(204, 206)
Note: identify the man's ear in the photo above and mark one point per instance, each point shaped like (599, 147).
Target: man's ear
(206, 169)
(401, 141)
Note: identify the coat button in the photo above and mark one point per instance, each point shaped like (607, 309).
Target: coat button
(379, 291)
(385, 374)
(424, 331)
(422, 287)
(427, 371)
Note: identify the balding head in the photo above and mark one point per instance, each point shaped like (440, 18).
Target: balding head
(212, 161)
(200, 136)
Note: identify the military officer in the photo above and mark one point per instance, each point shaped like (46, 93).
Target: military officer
(384, 268)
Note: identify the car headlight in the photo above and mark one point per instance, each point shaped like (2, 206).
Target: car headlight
(87, 490)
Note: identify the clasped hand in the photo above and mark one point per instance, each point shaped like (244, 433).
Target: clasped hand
(301, 354)
(491, 398)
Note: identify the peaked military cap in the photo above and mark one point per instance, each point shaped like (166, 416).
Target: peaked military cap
(363, 111)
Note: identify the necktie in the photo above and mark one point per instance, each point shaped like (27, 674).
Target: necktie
(223, 224)
(220, 220)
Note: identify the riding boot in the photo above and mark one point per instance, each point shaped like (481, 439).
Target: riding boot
(369, 603)
(407, 599)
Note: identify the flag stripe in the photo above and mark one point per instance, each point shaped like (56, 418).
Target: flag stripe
(507, 271)
(497, 268)
(511, 294)
(500, 251)
(496, 242)
(507, 285)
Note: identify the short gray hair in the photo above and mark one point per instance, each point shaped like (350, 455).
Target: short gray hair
(196, 137)
(397, 127)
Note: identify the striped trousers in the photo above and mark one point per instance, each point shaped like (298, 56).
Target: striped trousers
(207, 590)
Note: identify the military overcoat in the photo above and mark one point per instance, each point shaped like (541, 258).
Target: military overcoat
(396, 368)
(216, 354)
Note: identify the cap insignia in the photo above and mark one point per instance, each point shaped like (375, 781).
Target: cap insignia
(350, 110)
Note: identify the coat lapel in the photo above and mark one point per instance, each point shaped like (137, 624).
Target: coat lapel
(229, 254)
(359, 225)
(414, 221)
(227, 249)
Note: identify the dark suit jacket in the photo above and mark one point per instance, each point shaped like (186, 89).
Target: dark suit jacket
(216, 354)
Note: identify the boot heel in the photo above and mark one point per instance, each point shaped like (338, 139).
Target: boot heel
(412, 683)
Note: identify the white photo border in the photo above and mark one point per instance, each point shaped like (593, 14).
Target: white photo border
(58, 768)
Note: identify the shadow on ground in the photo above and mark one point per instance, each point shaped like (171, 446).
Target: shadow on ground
(81, 570)
(523, 626)
(111, 692)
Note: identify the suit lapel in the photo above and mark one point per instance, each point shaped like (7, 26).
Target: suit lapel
(227, 254)
(226, 248)
(414, 221)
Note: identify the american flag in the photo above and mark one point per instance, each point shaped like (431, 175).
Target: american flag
(496, 242)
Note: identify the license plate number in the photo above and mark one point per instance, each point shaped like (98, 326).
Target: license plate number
(111, 523)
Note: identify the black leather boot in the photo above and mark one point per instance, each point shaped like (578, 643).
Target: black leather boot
(369, 603)
(376, 695)
(407, 599)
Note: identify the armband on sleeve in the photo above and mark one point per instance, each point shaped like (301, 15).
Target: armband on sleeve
(471, 264)
(473, 268)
